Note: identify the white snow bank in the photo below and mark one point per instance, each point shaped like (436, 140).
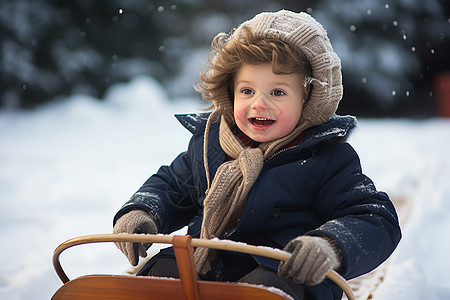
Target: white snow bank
(66, 168)
(410, 160)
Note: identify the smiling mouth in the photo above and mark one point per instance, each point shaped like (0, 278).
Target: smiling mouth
(261, 122)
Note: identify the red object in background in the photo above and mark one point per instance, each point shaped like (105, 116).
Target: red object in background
(441, 86)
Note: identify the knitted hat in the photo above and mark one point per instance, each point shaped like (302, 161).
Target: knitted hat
(303, 31)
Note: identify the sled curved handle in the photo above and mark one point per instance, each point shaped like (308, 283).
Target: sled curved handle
(167, 239)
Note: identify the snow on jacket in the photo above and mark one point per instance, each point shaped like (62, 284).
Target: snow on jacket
(313, 188)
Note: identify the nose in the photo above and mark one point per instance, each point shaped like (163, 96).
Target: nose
(260, 102)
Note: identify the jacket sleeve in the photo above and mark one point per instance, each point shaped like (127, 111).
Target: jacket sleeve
(362, 220)
(169, 195)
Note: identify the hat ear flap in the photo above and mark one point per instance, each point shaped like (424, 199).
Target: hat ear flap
(318, 110)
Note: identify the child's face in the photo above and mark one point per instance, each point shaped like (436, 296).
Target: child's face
(267, 106)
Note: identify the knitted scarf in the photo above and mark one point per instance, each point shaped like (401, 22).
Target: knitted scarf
(226, 195)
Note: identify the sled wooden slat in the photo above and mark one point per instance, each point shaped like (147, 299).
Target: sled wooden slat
(138, 287)
(187, 287)
(119, 287)
(184, 254)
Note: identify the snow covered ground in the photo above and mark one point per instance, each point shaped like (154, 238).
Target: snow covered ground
(66, 168)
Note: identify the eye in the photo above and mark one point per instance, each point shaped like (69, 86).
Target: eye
(247, 91)
(278, 93)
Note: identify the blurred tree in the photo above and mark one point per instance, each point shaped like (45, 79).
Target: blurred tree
(54, 48)
(390, 50)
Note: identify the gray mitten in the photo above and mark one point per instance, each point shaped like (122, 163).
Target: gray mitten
(312, 258)
(135, 221)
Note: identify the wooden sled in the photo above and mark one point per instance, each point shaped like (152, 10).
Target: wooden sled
(125, 287)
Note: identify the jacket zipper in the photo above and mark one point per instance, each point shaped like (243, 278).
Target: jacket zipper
(279, 152)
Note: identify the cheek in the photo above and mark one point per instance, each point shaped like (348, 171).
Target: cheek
(292, 116)
(239, 112)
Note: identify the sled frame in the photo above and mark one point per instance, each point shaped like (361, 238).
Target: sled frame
(123, 287)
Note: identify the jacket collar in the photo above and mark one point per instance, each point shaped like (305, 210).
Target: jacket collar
(336, 127)
(193, 122)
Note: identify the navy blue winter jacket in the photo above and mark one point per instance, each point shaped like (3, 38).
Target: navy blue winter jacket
(314, 188)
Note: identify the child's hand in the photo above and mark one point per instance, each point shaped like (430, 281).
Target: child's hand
(312, 258)
(135, 221)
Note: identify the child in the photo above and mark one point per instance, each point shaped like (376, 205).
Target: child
(269, 166)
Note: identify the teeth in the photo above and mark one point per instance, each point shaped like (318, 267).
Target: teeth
(259, 121)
